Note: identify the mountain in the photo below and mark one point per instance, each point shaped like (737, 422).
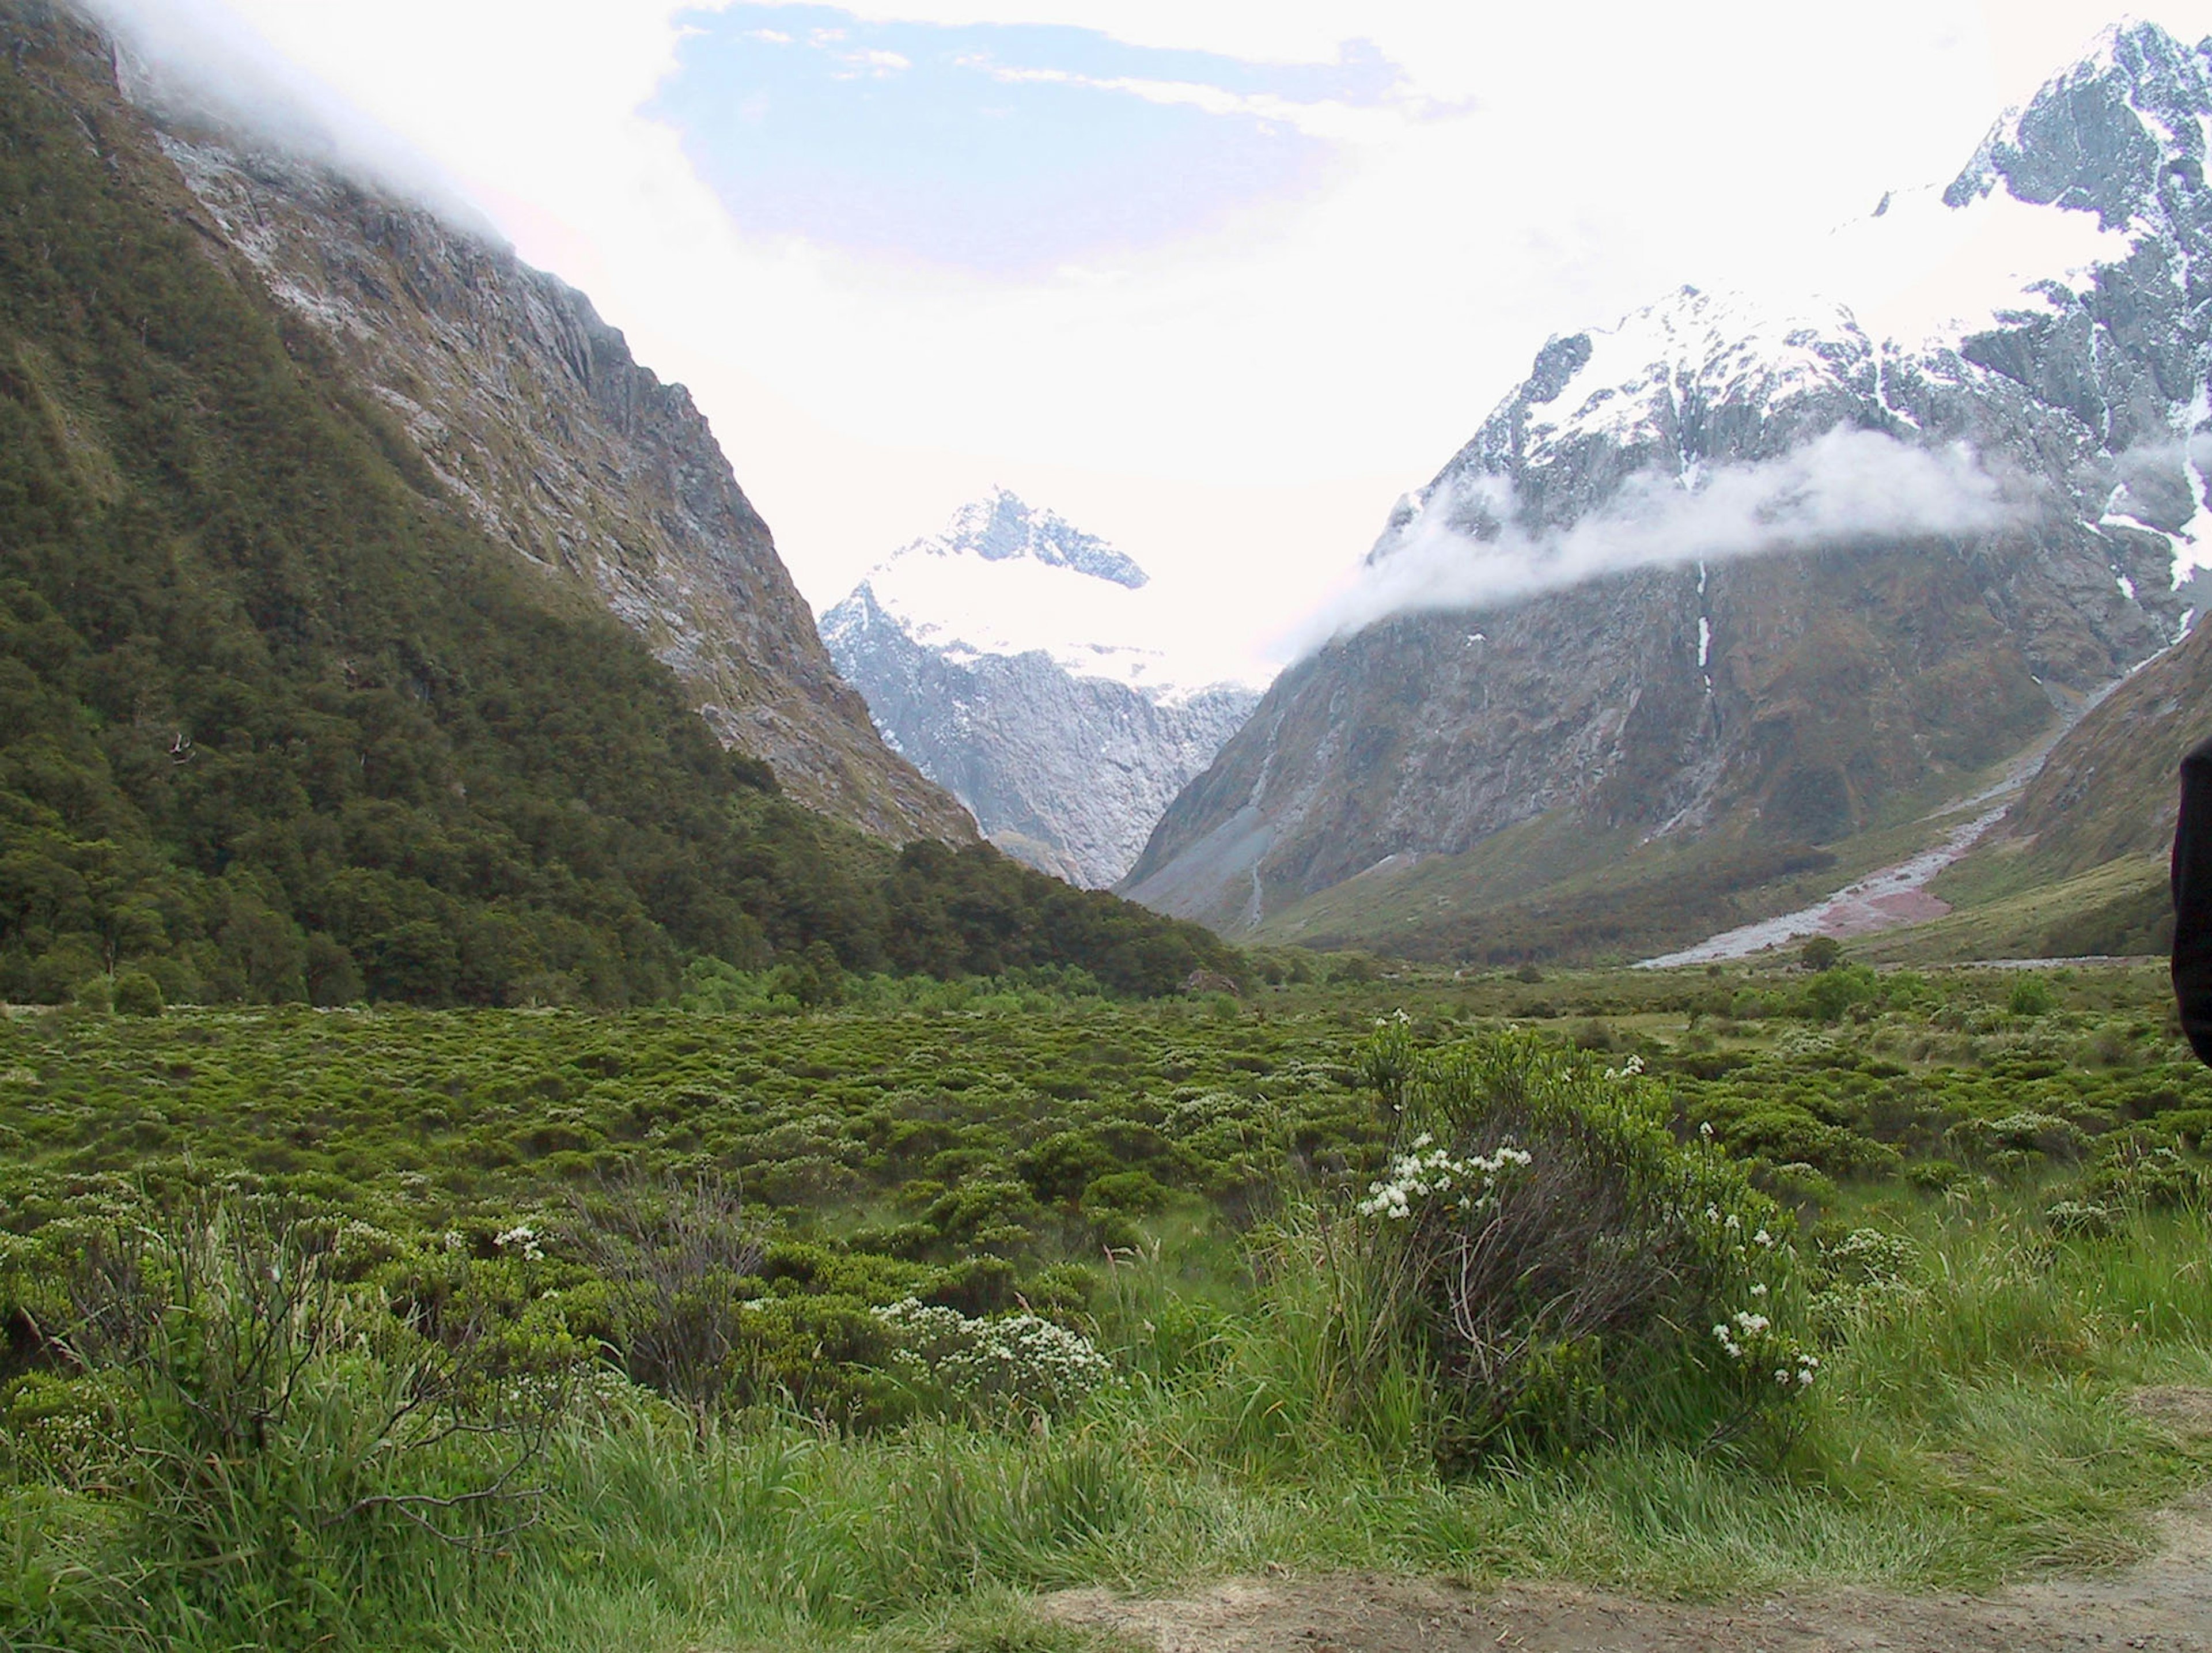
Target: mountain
(531, 414)
(286, 717)
(1718, 596)
(1018, 662)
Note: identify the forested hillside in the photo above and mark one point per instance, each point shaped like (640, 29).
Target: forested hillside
(280, 723)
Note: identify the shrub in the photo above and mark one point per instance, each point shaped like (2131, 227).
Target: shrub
(1008, 1365)
(1783, 1134)
(676, 1260)
(1933, 1176)
(137, 993)
(1866, 1271)
(2011, 1142)
(2138, 1175)
(824, 1355)
(997, 1215)
(278, 1444)
(1556, 1255)
(2081, 1219)
(1840, 987)
(1870, 1255)
(1820, 952)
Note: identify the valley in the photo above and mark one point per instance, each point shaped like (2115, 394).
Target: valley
(549, 1099)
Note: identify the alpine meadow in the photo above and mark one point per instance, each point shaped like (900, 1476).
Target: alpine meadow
(1630, 1097)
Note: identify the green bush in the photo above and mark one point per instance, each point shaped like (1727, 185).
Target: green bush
(1569, 1271)
(1820, 952)
(137, 993)
(271, 1442)
(2134, 1173)
(1837, 988)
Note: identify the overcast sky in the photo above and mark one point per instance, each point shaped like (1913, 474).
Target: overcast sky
(1217, 281)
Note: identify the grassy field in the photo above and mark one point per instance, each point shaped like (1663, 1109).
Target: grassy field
(706, 1330)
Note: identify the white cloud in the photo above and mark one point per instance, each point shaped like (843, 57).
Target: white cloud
(1844, 488)
(876, 64)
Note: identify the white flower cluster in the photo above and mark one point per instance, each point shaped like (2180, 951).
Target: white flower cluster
(521, 1238)
(1746, 1324)
(1872, 1254)
(1429, 1172)
(1627, 1070)
(1018, 1361)
(1740, 1335)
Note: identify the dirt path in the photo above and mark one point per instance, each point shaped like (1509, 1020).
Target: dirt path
(2164, 1604)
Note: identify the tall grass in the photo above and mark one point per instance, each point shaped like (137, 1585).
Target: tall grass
(1968, 1426)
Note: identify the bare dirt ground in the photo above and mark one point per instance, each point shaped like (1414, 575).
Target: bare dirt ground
(2163, 1604)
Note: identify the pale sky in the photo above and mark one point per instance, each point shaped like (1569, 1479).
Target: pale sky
(1215, 282)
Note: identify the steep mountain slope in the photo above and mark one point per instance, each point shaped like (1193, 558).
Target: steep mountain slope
(284, 723)
(2078, 864)
(529, 411)
(1714, 591)
(1009, 658)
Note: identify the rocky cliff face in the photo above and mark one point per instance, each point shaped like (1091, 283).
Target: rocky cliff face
(998, 656)
(1734, 570)
(530, 412)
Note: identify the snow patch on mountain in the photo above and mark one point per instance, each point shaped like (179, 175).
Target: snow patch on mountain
(1924, 271)
(1006, 578)
(1633, 381)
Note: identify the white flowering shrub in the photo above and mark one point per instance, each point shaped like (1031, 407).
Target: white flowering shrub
(994, 1366)
(63, 1427)
(1426, 1173)
(1868, 1254)
(1561, 1256)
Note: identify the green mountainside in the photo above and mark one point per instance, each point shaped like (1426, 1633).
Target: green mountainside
(280, 723)
(2079, 865)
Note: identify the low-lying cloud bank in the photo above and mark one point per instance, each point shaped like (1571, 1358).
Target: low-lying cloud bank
(1846, 487)
(194, 59)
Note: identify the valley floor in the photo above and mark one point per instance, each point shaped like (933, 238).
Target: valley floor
(1997, 1183)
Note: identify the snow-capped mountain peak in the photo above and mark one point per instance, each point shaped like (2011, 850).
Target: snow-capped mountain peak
(2104, 135)
(1038, 674)
(1004, 578)
(1638, 376)
(1003, 529)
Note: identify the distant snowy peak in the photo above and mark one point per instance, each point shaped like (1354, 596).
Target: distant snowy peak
(1005, 579)
(1003, 529)
(965, 618)
(1037, 674)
